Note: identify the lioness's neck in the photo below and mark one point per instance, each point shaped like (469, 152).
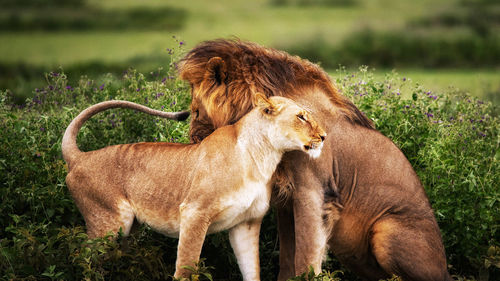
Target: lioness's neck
(254, 142)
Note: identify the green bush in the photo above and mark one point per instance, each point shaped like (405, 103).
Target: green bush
(403, 49)
(64, 18)
(452, 141)
(481, 16)
(312, 2)
(21, 78)
(41, 3)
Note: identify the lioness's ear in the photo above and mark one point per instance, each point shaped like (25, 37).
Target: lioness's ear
(216, 70)
(265, 105)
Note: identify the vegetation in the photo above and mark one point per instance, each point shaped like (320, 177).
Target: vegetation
(313, 2)
(380, 33)
(451, 140)
(405, 49)
(464, 37)
(79, 19)
(41, 3)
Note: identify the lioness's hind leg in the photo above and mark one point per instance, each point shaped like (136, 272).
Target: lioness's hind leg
(100, 220)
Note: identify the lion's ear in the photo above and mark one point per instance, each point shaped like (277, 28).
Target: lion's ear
(265, 105)
(216, 70)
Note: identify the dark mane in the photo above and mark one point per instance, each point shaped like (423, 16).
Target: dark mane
(251, 68)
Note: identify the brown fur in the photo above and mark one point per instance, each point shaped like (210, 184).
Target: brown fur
(361, 197)
(187, 191)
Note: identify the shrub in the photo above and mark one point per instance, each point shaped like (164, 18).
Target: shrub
(21, 78)
(64, 18)
(452, 141)
(481, 16)
(41, 3)
(403, 48)
(313, 2)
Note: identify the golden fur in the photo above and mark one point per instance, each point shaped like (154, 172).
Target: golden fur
(189, 190)
(361, 197)
(225, 74)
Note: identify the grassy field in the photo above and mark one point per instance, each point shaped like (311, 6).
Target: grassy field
(67, 48)
(251, 20)
(480, 83)
(258, 21)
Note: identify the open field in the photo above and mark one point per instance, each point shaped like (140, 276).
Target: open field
(481, 83)
(251, 20)
(258, 21)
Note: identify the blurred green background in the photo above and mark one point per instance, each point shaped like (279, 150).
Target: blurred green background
(440, 44)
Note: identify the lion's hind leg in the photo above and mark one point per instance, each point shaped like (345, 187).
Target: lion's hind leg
(412, 251)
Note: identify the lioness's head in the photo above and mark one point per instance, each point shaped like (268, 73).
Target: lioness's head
(290, 126)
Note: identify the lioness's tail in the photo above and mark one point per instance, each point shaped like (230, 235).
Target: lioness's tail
(69, 147)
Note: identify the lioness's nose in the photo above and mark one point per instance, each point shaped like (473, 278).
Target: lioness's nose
(322, 137)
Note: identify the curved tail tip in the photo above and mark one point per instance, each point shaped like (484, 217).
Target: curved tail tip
(181, 116)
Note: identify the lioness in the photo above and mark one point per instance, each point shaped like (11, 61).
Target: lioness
(187, 191)
(361, 198)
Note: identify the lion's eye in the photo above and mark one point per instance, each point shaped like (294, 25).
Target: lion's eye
(196, 113)
(301, 117)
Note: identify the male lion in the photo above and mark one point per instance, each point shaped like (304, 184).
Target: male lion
(189, 190)
(362, 198)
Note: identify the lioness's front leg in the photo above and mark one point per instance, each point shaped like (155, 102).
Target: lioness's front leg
(310, 237)
(193, 229)
(244, 239)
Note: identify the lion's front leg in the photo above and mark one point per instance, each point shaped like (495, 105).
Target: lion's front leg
(193, 229)
(310, 237)
(286, 233)
(244, 239)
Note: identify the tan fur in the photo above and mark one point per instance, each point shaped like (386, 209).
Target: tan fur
(187, 191)
(360, 182)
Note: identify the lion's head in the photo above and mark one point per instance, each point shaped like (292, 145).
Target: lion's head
(225, 75)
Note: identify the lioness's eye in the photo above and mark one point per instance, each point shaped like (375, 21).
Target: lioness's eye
(301, 117)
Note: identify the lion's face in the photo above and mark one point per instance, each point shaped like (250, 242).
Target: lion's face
(210, 111)
(201, 126)
(291, 127)
(216, 102)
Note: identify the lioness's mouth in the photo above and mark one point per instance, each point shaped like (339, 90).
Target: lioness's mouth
(312, 145)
